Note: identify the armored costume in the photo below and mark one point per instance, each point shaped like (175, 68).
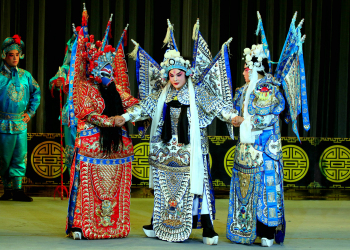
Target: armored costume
(256, 206)
(179, 153)
(99, 203)
(19, 94)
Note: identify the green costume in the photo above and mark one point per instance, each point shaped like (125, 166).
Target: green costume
(69, 130)
(19, 94)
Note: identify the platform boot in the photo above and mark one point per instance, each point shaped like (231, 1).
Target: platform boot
(210, 237)
(148, 230)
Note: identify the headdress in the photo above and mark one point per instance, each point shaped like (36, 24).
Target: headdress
(98, 55)
(258, 52)
(173, 60)
(12, 43)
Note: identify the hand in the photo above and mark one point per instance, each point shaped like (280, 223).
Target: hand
(237, 121)
(26, 118)
(59, 82)
(119, 121)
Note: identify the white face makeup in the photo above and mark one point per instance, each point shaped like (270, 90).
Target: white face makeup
(177, 78)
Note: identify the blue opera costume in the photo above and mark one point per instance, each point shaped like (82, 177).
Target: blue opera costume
(256, 203)
(19, 94)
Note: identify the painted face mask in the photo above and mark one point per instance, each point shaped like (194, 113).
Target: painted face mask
(106, 75)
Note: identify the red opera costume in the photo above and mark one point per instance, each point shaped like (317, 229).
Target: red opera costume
(99, 205)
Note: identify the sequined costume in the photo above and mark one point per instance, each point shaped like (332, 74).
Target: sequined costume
(99, 203)
(179, 163)
(256, 206)
(19, 94)
(70, 129)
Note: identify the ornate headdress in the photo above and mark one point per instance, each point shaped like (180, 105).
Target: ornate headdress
(258, 52)
(12, 43)
(98, 55)
(173, 60)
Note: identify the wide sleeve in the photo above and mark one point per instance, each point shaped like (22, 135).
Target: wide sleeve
(212, 106)
(145, 109)
(35, 95)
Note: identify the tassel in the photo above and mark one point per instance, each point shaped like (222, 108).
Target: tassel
(133, 54)
(167, 37)
(195, 30)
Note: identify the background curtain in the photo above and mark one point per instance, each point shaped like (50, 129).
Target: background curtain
(45, 27)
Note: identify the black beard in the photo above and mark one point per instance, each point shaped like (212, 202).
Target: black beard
(110, 137)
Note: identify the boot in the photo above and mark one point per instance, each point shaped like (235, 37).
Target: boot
(210, 237)
(148, 230)
(7, 194)
(194, 221)
(19, 195)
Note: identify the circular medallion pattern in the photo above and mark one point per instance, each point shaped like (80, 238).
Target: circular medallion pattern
(46, 159)
(296, 163)
(140, 165)
(229, 160)
(335, 163)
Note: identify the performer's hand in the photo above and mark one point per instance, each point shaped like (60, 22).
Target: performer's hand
(119, 121)
(59, 82)
(26, 118)
(237, 121)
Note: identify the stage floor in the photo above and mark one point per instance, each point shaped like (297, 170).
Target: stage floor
(311, 224)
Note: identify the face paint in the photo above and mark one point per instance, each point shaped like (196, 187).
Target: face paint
(106, 75)
(177, 78)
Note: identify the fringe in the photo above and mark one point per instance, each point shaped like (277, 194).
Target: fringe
(195, 30)
(133, 53)
(167, 36)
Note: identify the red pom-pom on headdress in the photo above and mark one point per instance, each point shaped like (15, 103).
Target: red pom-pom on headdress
(17, 39)
(78, 29)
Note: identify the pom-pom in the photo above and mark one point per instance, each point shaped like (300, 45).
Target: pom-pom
(98, 44)
(246, 51)
(248, 58)
(92, 37)
(78, 28)
(17, 39)
(86, 39)
(250, 63)
(187, 62)
(172, 54)
(98, 79)
(253, 47)
(161, 64)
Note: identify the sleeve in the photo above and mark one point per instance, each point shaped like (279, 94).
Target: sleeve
(127, 99)
(100, 120)
(261, 120)
(216, 107)
(135, 113)
(35, 95)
